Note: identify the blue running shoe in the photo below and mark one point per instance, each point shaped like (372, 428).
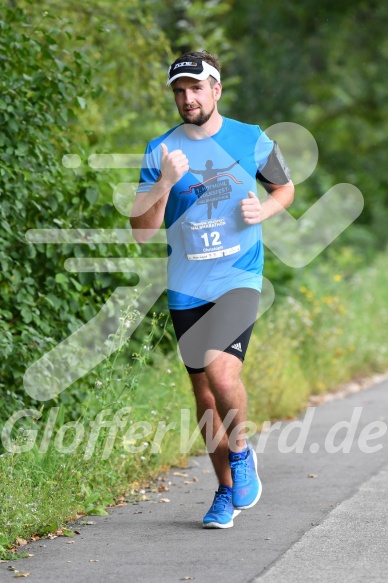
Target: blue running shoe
(221, 512)
(246, 489)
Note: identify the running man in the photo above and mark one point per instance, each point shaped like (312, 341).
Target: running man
(215, 263)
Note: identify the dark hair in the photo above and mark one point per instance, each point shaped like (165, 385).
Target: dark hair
(212, 60)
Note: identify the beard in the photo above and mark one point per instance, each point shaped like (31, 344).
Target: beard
(201, 118)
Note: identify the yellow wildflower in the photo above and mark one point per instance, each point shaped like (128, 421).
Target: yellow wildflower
(310, 295)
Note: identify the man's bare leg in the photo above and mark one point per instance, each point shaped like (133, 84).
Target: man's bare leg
(223, 373)
(220, 389)
(205, 401)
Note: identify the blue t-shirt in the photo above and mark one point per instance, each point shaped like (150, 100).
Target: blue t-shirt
(212, 250)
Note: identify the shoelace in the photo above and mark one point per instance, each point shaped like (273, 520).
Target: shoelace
(220, 501)
(239, 470)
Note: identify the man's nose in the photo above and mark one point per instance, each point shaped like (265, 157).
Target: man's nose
(188, 97)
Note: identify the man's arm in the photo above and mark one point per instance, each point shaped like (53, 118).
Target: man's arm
(276, 179)
(148, 209)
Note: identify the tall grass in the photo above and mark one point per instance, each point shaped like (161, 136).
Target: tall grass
(330, 329)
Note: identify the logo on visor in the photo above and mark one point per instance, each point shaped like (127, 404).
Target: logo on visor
(186, 64)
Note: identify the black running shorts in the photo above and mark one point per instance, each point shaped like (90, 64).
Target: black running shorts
(225, 324)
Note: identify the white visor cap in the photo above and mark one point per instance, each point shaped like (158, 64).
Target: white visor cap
(196, 69)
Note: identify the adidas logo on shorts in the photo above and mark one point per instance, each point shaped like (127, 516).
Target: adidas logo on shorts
(237, 346)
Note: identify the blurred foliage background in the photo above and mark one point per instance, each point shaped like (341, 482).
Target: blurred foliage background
(89, 77)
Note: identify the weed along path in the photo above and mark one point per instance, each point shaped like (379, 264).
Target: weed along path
(322, 516)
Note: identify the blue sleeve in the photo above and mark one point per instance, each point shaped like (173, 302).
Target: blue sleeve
(263, 149)
(150, 168)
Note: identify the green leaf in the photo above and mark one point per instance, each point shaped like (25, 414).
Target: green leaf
(60, 64)
(26, 314)
(91, 195)
(67, 532)
(22, 555)
(61, 278)
(53, 300)
(22, 149)
(7, 227)
(82, 102)
(76, 284)
(48, 528)
(97, 511)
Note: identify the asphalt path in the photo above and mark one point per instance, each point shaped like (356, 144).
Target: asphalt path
(323, 515)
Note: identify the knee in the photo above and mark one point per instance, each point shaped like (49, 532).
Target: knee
(220, 381)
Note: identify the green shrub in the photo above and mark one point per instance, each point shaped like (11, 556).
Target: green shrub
(42, 90)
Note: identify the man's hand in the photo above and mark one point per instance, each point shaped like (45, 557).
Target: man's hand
(148, 209)
(174, 165)
(252, 209)
(280, 197)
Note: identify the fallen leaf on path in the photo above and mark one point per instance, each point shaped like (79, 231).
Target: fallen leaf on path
(181, 474)
(70, 542)
(188, 482)
(93, 560)
(22, 575)
(21, 542)
(67, 532)
(164, 500)
(312, 476)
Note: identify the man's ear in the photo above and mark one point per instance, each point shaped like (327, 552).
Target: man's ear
(217, 91)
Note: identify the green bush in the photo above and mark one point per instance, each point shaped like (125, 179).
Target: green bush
(42, 89)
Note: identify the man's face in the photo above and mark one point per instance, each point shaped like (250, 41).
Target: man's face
(196, 100)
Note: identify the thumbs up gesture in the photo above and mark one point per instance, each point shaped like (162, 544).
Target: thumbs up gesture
(174, 165)
(251, 209)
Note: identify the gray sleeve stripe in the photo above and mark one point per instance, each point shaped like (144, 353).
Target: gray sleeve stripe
(275, 170)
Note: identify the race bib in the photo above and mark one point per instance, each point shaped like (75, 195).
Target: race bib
(210, 239)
